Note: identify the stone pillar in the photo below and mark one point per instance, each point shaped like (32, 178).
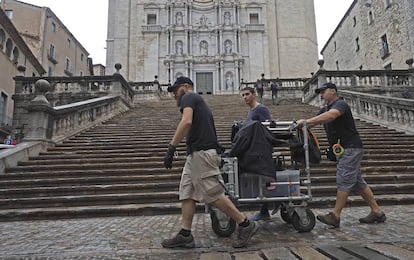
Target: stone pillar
(39, 113)
(411, 70)
(321, 73)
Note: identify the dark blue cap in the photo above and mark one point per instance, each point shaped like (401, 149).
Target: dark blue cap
(326, 86)
(180, 81)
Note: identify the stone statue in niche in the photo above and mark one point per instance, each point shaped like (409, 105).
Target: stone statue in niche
(204, 48)
(179, 47)
(228, 47)
(229, 81)
(227, 18)
(179, 19)
(203, 20)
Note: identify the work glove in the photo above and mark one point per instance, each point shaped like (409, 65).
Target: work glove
(169, 156)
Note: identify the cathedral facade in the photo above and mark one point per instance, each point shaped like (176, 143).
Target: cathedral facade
(217, 43)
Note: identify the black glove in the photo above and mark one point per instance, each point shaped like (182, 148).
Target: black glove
(169, 156)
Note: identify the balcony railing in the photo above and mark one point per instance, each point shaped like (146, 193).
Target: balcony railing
(151, 28)
(255, 27)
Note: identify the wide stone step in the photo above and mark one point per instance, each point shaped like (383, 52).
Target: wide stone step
(85, 200)
(146, 164)
(368, 170)
(69, 161)
(91, 166)
(64, 190)
(85, 181)
(153, 157)
(378, 189)
(371, 179)
(50, 212)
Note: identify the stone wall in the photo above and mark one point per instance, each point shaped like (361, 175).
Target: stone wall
(369, 23)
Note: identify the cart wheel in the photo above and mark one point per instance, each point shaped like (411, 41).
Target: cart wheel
(222, 224)
(304, 225)
(285, 215)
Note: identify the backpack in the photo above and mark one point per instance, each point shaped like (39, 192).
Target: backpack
(298, 152)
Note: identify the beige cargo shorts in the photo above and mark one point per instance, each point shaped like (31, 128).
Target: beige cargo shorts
(201, 177)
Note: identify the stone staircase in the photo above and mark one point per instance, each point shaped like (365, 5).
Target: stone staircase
(116, 168)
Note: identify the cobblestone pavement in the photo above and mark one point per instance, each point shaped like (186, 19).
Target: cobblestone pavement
(139, 237)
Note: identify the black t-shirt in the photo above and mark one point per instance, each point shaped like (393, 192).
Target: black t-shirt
(343, 128)
(202, 134)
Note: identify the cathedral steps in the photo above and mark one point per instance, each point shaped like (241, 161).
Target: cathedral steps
(117, 168)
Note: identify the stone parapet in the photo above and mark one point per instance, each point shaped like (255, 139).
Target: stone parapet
(381, 96)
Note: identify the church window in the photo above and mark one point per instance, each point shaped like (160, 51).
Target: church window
(370, 17)
(2, 38)
(254, 18)
(9, 47)
(67, 65)
(357, 44)
(15, 55)
(385, 50)
(151, 19)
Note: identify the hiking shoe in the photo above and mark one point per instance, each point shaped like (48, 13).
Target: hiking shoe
(373, 218)
(329, 219)
(179, 241)
(245, 233)
(260, 216)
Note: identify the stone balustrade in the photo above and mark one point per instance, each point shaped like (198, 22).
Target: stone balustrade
(78, 88)
(45, 122)
(67, 120)
(384, 97)
(60, 106)
(397, 113)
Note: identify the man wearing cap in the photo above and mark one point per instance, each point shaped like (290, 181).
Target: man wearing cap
(340, 128)
(200, 179)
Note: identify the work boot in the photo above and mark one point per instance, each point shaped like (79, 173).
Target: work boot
(373, 218)
(329, 219)
(179, 241)
(245, 233)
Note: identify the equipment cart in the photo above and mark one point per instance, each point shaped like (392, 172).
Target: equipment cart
(288, 191)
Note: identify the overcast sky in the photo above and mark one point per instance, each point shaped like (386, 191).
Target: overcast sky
(89, 23)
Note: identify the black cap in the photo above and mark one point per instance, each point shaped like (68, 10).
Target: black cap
(180, 81)
(326, 86)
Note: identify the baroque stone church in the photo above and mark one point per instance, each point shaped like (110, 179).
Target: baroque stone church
(217, 43)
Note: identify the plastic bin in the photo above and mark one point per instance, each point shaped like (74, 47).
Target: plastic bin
(249, 185)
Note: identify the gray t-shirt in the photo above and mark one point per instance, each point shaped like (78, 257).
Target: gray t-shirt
(259, 113)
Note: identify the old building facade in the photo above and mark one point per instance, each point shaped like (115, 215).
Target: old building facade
(60, 53)
(13, 53)
(216, 43)
(373, 34)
